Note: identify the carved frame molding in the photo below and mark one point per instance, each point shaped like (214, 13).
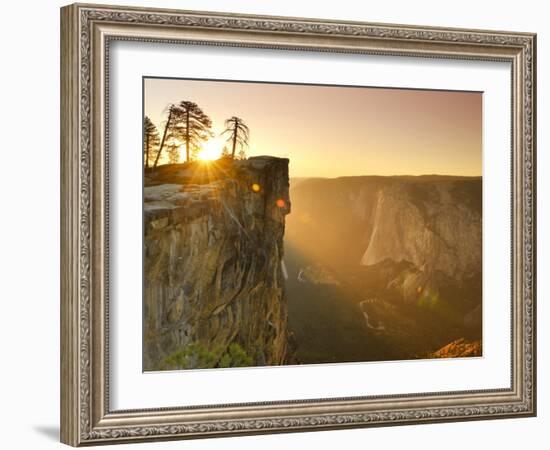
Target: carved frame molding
(86, 31)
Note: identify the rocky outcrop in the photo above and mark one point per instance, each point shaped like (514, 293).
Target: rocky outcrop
(213, 280)
(436, 230)
(317, 274)
(461, 348)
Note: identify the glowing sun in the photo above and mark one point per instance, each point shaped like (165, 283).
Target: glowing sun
(211, 150)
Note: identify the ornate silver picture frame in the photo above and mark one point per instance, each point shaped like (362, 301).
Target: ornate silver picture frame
(87, 33)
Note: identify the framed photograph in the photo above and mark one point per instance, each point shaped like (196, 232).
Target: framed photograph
(275, 224)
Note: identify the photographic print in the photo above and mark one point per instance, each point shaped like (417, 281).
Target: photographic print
(289, 224)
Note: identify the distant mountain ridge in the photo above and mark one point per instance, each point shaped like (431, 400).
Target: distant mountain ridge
(428, 220)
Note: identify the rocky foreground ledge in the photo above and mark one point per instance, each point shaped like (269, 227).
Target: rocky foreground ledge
(212, 266)
(461, 348)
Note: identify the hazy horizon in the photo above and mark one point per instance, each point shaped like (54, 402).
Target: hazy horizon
(333, 132)
(405, 175)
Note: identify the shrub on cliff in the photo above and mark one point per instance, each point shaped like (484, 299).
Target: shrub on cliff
(235, 357)
(192, 356)
(197, 356)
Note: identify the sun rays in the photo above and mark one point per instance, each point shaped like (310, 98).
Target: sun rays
(211, 150)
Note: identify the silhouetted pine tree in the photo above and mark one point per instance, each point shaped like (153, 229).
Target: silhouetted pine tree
(242, 154)
(151, 142)
(172, 110)
(238, 134)
(191, 126)
(173, 151)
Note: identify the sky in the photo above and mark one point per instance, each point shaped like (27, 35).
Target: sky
(332, 131)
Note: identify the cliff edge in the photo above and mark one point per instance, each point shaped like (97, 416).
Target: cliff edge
(214, 292)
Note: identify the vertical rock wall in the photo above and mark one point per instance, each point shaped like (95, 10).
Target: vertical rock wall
(212, 265)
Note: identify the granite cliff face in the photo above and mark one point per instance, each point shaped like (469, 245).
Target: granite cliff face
(436, 229)
(395, 260)
(430, 223)
(213, 276)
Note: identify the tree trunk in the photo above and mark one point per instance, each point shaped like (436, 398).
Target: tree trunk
(163, 137)
(187, 137)
(147, 151)
(234, 139)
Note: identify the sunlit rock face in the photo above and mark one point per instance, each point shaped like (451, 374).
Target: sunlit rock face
(432, 226)
(461, 348)
(212, 264)
(430, 223)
